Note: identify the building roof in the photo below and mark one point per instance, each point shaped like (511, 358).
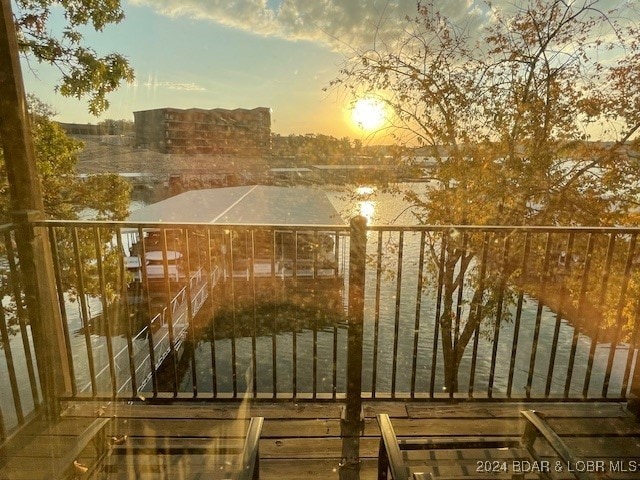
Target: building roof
(252, 205)
(205, 110)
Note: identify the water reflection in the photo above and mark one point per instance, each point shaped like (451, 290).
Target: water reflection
(272, 337)
(277, 307)
(365, 206)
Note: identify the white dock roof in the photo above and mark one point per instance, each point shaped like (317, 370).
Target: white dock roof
(252, 205)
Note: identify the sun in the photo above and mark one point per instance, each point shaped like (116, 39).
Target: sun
(368, 113)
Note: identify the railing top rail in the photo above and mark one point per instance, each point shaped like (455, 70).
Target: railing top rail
(621, 230)
(177, 225)
(505, 228)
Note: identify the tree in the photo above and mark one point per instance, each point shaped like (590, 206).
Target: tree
(66, 195)
(312, 148)
(510, 117)
(117, 127)
(69, 197)
(84, 72)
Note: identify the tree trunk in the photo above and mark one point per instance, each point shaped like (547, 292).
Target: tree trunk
(449, 355)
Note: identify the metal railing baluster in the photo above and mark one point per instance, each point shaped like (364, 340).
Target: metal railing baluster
(334, 345)
(169, 312)
(418, 313)
(210, 283)
(506, 243)
(604, 285)
(234, 366)
(436, 323)
(294, 333)
(254, 326)
(11, 369)
(584, 285)
(376, 317)
(477, 315)
(105, 311)
(274, 340)
(85, 320)
(149, 327)
(21, 315)
(127, 313)
(190, 314)
(633, 349)
(561, 306)
(619, 313)
(536, 331)
(460, 298)
(518, 319)
(396, 323)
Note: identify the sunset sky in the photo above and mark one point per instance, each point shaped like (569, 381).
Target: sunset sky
(244, 53)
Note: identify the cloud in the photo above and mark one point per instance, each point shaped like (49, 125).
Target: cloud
(189, 87)
(339, 24)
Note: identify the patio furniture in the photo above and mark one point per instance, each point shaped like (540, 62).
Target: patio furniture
(525, 461)
(227, 456)
(72, 464)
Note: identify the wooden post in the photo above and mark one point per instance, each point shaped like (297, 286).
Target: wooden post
(352, 422)
(27, 206)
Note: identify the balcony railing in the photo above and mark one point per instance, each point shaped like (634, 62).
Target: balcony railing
(223, 282)
(20, 392)
(529, 312)
(218, 312)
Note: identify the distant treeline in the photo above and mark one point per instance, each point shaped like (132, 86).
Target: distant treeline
(105, 127)
(313, 149)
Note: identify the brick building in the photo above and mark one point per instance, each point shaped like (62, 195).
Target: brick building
(195, 131)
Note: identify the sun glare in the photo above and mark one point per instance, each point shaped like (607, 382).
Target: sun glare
(367, 210)
(368, 114)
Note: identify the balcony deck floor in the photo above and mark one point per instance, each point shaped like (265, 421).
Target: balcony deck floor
(302, 440)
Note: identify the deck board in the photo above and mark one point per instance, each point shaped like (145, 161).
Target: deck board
(512, 409)
(302, 440)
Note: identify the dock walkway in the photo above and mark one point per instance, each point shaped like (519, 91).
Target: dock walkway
(177, 314)
(302, 440)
